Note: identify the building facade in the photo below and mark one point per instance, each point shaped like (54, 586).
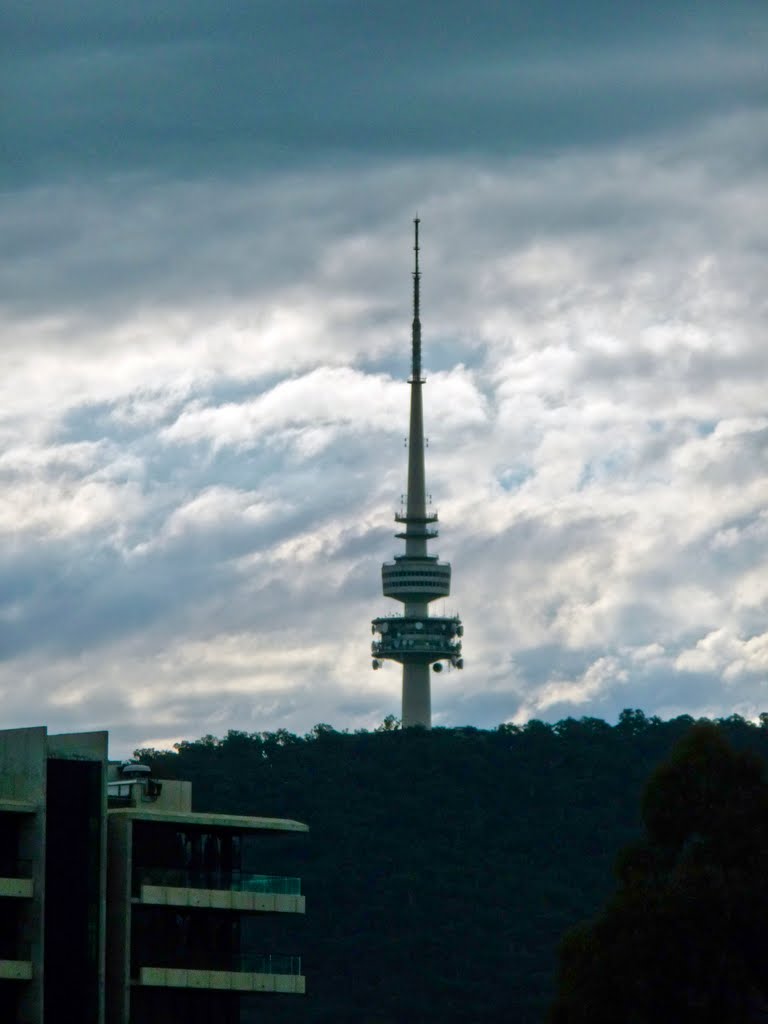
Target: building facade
(119, 900)
(53, 816)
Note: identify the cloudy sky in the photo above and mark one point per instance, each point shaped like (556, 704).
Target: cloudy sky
(206, 215)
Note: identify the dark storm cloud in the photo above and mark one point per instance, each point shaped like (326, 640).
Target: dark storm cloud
(195, 87)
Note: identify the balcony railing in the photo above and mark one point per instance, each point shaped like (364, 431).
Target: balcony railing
(270, 964)
(239, 963)
(233, 881)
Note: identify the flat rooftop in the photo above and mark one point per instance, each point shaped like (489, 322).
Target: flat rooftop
(239, 821)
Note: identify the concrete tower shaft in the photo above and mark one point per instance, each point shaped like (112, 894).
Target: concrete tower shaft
(416, 578)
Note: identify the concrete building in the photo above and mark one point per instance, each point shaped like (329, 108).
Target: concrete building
(53, 818)
(119, 900)
(416, 578)
(190, 917)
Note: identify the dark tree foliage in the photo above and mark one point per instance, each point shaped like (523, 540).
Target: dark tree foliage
(684, 938)
(442, 867)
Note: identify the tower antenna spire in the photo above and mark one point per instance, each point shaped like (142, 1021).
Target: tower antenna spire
(416, 578)
(416, 326)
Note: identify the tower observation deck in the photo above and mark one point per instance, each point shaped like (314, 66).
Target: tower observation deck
(416, 639)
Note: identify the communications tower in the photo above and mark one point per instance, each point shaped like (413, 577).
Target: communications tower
(416, 639)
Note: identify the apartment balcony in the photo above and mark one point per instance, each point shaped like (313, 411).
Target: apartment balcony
(220, 890)
(243, 972)
(16, 879)
(15, 961)
(15, 970)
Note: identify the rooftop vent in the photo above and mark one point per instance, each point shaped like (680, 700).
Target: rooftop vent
(134, 770)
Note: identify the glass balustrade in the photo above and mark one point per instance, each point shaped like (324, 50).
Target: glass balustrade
(234, 881)
(270, 964)
(240, 963)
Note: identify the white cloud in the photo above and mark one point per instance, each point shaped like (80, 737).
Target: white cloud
(212, 449)
(577, 692)
(726, 653)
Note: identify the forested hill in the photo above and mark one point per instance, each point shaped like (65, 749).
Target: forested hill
(442, 867)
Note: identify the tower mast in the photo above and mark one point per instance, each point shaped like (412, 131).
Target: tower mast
(416, 639)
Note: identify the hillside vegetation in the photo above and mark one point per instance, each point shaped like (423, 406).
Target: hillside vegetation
(443, 867)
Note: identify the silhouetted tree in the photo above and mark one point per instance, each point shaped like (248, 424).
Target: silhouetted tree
(685, 936)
